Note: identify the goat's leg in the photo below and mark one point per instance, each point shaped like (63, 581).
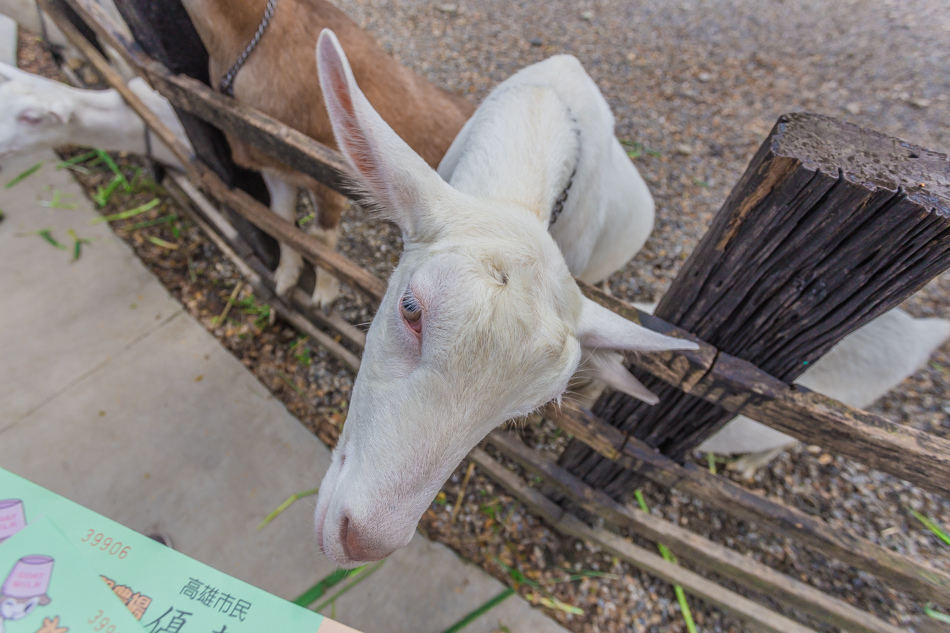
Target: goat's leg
(328, 208)
(750, 463)
(283, 202)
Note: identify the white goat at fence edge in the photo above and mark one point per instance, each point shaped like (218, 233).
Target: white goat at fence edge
(37, 113)
(482, 321)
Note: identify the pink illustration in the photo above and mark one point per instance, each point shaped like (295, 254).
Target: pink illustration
(25, 588)
(12, 518)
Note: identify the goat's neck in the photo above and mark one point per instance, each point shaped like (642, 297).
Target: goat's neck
(522, 150)
(225, 26)
(101, 119)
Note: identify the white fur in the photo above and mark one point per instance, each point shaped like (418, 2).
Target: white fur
(37, 113)
(503, 325)
(861, 368)
(25, 14)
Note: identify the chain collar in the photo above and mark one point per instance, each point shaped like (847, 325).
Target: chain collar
(561, 199)
(227, 82)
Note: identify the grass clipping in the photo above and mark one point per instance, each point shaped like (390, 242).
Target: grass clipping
(668, 557)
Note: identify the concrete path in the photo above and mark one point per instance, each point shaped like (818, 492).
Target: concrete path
(116, 398)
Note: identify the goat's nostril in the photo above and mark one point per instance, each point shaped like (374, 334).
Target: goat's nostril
(344, 529)
(357, 547)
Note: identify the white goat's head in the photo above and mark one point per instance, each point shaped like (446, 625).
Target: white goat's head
(481, 322)
(33, 111)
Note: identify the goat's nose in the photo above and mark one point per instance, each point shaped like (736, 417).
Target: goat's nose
(359, 546)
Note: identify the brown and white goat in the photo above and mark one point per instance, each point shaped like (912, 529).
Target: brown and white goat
(280, 79)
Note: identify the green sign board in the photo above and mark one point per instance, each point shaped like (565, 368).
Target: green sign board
(163, 591)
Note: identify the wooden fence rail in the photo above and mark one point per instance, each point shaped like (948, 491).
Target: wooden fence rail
(696, 549)
(708, 373)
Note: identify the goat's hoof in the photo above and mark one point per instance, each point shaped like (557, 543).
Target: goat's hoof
(326, 290)
(285, 279)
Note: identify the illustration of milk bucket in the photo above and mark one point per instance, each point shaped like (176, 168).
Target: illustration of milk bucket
(29, 578)
(12, 518)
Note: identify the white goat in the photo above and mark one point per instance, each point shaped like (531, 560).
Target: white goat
(26, 14)
(37, 113)
(482, 321)
(861, 368)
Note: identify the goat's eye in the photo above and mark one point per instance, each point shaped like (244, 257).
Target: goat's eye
(411, 311)
(30, 117)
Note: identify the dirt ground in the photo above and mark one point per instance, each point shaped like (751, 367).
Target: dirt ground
(698, 85)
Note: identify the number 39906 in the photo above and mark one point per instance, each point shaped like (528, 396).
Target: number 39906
(106, 544)
(103, 625)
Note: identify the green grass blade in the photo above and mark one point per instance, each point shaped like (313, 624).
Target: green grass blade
(157, 241)
(932, 526)
(47, 234)
(480, 611)
(588, 574)
(75, 160)
(363, 573)
(316, 592)
(167, 219)
(936, 615)
(57, 201)
(553, 603)
(668, 557)
(286, 504)
(119, 176)
(684, 608)
(77, 244)
(102, 196)
(131, 213)
(641, 500)
(23, 175)
(711, 459)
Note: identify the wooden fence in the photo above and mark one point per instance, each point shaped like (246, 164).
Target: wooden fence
(809, 246)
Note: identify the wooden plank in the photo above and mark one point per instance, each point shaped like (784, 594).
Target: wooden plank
(830, 226)
(907, 575)
(911, 454)
(259, 215)
(739, 387)
(290, 146)
(262, 281)
(762, 618)
(230, 243)
(715, 557)
(293, 148)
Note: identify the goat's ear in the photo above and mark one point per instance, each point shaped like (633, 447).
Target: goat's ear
(397, 179)
(601, 329)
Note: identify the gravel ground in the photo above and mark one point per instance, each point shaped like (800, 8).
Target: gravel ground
(698, 84)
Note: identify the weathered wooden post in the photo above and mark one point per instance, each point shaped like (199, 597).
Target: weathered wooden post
(830, 226)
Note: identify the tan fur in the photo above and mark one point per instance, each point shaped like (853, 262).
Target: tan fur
(280, 79)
